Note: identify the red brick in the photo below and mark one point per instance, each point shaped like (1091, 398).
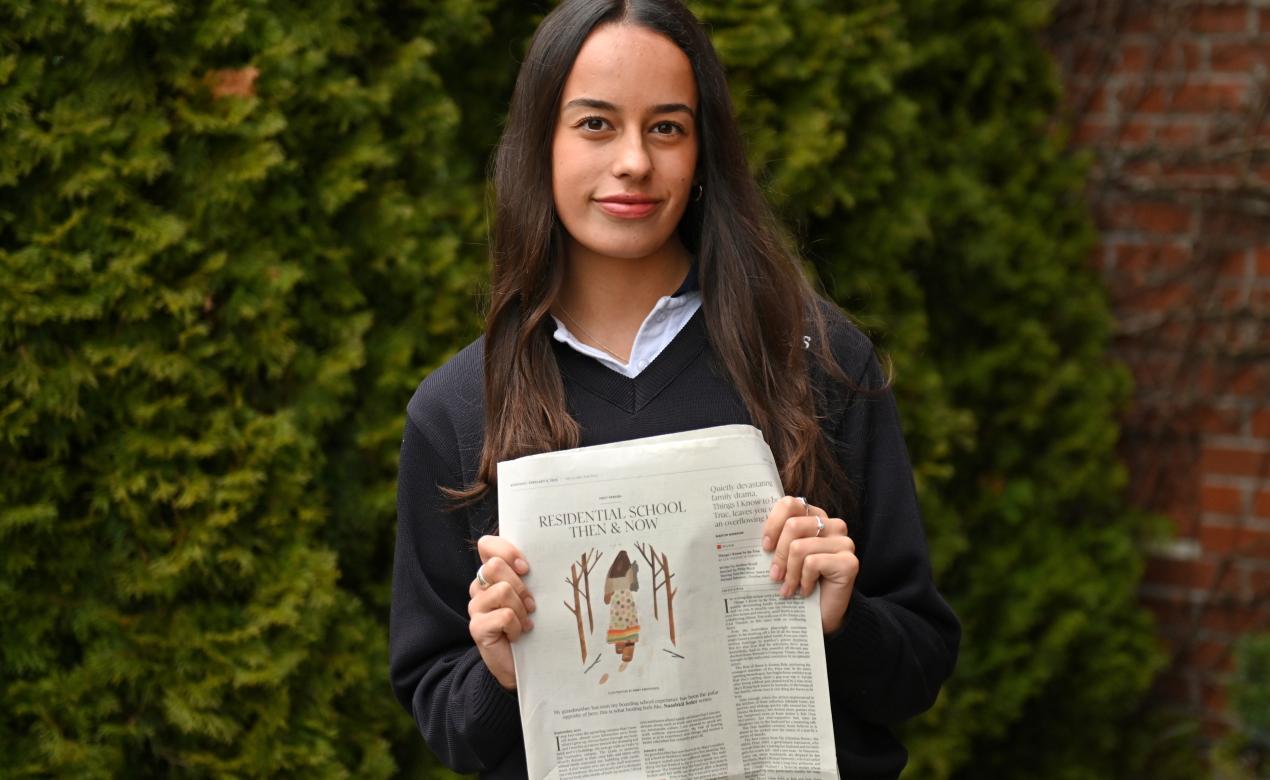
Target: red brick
(1142, 19)
(1095, 129)
(1134, 58)
(1227, 174)
(1232, 298)
(1235, 265)
(1146, 168)
(1195, 574)
(1137, 260)
(1205, 654)
(1213, 696)
(1096, 101)
(1199, 97)
(1261, 424)
(1233, 461)
(1238, 538)
(1171, 613)
(1234, 619)
(1159, 57)
(1209, 96)
(1218, 421)
(1078, 59)
(1135, 132)
(1240, 381)
(1194, 661)
(1257, 580)
(1145, 100)
(1229, 581)
(1156, 298)
(1175, 133)
(1261, 504)
(1263, 262)
(1221, 500)
(1163, 218)
(1237, 229)
(1089, 131)
(1237, 57)
(1219, 19)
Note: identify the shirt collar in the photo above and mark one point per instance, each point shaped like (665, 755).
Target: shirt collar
(690, 283)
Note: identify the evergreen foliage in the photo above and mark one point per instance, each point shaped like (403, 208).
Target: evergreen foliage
(218, 289)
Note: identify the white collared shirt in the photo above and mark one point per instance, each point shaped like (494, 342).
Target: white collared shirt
(660, 327)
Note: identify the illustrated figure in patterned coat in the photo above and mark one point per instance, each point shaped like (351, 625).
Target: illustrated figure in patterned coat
(620, 585)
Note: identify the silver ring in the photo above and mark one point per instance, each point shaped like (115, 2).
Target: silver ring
(820, 525)
(800, 498)
(480, 577)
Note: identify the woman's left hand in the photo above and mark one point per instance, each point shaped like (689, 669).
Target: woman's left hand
(803, 557)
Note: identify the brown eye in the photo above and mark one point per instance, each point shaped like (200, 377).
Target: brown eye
(593, 123)
(667, 128)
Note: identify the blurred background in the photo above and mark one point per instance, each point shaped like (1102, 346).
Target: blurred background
(236, 234)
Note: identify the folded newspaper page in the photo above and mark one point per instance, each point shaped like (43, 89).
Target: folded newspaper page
(660, 647)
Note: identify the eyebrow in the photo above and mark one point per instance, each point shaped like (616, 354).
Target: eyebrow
(604, 105)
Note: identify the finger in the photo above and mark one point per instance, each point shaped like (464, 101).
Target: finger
(802, 549)
(834, 526)
(782, 510)
(500, 596)
(499, 570)
(794, 528)
(839, 567)
(485, 605)
(799, 551)
(489, 628)
(490, 546)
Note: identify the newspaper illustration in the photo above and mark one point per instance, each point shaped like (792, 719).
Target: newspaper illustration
(661, 648)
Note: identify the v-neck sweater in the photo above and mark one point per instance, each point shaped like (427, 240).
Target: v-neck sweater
(663, 323)
(898, 642)
(659, 328)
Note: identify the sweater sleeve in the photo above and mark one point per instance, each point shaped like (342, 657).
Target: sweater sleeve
(468, 719)
(899, 640)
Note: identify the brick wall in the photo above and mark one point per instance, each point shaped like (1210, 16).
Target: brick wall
(1171, 100)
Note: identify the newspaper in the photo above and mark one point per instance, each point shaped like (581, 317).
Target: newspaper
(660, 645)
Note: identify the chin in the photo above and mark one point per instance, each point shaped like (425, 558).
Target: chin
(623, 251)
(625, 247)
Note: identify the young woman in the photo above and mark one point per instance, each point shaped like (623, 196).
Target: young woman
(642, 287)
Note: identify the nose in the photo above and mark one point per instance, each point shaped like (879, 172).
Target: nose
(631, 158)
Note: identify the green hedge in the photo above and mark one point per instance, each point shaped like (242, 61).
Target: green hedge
(213, 308)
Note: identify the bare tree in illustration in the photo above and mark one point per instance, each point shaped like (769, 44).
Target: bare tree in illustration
(670, 595)
(661, 576)
(587, 562)
(575, 579)
(649, 553)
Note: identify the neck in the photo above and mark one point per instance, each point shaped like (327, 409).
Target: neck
(604, 300)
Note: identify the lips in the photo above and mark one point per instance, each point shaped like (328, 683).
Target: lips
(627, 206)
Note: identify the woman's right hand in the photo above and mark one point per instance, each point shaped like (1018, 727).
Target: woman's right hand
(500, 611)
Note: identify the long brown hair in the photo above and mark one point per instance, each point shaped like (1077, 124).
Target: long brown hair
(745, 264)
(621, 564)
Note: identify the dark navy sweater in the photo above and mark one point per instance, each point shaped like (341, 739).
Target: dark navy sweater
(886, 663)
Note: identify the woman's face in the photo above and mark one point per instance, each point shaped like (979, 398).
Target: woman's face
(625, 145)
